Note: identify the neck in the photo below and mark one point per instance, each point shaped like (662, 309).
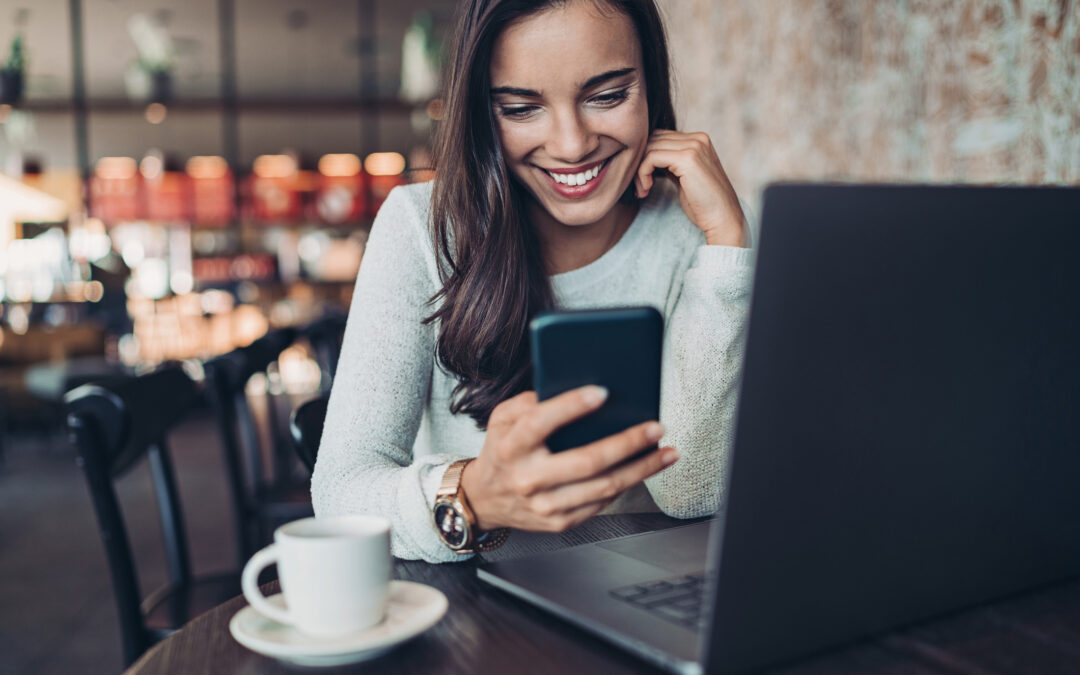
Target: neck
(570, 247)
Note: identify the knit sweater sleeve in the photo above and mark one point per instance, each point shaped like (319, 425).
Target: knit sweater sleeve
(706, 326)
(365, 462)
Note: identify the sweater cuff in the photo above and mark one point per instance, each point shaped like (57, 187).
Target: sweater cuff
(417, 526)
(726, 271)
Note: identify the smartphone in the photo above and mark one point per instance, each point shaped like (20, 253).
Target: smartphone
(618, 348)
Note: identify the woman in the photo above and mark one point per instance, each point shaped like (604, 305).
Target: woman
(557, 116)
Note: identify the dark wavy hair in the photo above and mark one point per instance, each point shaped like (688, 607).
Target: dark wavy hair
(493, 274)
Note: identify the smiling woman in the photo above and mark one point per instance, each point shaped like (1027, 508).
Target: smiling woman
(557, 115)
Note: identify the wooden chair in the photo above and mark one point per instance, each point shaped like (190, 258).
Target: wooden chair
(259, 504)
(113, 426)
(306, 427)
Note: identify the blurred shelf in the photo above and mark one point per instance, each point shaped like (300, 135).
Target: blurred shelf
(326, 105)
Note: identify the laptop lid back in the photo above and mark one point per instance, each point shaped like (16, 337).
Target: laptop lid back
(908, 436)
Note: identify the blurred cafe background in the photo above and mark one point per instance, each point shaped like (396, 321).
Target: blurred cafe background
(193, 182)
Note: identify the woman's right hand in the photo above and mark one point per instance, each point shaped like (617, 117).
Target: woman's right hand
(517, 482)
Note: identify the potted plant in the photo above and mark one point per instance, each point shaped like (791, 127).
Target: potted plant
(11, 73)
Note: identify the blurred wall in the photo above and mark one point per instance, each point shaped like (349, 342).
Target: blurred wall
(930, 90)
(285, 49)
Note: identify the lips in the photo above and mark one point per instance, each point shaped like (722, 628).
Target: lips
(579, 181)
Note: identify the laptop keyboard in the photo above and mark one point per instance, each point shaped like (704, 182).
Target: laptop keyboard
(678, 600)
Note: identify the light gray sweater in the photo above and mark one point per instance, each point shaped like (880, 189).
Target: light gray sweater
(389, 433)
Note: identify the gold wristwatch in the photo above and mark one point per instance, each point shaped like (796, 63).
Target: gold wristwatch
(455, 521)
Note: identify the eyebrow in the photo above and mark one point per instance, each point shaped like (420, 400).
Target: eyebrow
(590, 83)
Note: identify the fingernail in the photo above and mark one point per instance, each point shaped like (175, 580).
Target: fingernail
(670, 456)
(654, 432)
(595, 395)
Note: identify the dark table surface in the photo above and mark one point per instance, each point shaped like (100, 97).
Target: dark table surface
(487, 631)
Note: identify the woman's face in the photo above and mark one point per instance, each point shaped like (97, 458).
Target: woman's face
(568, 94)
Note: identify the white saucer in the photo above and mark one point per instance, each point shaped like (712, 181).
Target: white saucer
(412, 609)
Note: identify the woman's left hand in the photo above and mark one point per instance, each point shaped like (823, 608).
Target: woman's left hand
(704, 189)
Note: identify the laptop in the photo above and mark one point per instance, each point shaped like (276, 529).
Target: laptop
(907, 438)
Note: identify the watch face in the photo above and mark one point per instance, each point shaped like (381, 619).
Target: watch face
(451, 525)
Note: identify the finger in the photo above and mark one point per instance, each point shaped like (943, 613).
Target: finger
(678, 162)
(574, 517)
(610, 484)
(509, 411)
(533, 429)
(599, 456)
(644, 174)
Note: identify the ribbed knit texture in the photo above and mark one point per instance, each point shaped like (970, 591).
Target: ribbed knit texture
(389, 434)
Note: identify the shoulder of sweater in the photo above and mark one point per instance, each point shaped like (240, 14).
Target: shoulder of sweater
(402, 223)
(409, 202)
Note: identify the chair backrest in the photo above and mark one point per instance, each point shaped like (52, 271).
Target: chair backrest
(306, 427)
(227, 377)
(113, 426)
(325, 335)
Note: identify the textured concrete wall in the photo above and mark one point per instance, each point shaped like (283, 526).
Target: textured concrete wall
(914, 90)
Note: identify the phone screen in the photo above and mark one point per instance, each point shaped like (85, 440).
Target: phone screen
(618, 348)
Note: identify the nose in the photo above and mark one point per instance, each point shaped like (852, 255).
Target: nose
(571, 141)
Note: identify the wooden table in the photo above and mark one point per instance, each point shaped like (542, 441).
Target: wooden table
(487, 631)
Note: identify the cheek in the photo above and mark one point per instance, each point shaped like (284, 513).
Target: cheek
(629, 124)
(517, 140)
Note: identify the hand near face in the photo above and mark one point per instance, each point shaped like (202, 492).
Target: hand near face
(705, 192)
(517, 482)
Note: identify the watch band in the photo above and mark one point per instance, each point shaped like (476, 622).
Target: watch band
(450, 491)
(451, 479)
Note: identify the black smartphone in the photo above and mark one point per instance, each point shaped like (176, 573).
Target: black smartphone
(618, 348)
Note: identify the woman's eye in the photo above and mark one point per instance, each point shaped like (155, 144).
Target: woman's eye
(518, 112)
(611, 98)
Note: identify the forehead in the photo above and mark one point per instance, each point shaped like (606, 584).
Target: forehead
(562, 47)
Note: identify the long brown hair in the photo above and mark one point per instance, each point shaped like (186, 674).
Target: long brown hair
(493, 273)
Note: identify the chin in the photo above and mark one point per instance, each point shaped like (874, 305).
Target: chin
(580, 215)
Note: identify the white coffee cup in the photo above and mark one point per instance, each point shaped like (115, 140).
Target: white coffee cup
(334, 572)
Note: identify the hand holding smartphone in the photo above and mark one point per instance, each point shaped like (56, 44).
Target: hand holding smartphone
(618, 349)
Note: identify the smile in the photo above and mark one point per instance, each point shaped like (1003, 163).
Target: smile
(577, 183)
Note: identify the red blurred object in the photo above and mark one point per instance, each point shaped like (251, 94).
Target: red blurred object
(164, 197)
(275, 199)
(212, 190)
(341, 199)
(245, 267)
(380, 187)
(114, 195)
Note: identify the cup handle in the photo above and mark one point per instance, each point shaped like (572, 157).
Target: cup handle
(249, 582)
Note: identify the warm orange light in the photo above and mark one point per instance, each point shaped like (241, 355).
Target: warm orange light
(435, 109)
(207, 166)
(151, 167)
(5, 111)
(156, 112)
(343, 165)
(115, 167)
(384, 163)
(274, 166)
(94, 291)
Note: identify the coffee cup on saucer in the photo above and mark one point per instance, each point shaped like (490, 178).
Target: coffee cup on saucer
(334, 572)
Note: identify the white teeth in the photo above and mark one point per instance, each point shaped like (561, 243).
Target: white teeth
(573, 179)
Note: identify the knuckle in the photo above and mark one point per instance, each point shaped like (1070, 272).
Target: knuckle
(504, 449)
(592, 463)
(543, 507)
(524, 485)
(611, 487)
(527, 398)
(561, 523)
(534, 426)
